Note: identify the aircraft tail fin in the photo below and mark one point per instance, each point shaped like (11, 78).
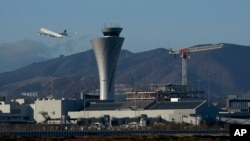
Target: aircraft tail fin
(65, 33)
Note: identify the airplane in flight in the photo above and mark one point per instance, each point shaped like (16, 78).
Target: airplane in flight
(44, 31)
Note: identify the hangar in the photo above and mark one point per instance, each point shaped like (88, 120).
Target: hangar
(147, 112)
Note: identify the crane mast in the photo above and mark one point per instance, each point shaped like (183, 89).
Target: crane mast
(184, 55)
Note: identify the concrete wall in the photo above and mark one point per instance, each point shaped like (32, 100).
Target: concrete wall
(55, 109)
(4, 108)
(119, 114)
(51, 107)
(179, 114)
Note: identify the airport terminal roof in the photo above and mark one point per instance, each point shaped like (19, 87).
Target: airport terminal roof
(141, 104)
(177, 105)
(144, 104)
(103, 106)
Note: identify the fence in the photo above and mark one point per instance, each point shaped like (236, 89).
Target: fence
(112, 133)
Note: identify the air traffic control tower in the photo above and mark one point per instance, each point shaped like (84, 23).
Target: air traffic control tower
(107, 50)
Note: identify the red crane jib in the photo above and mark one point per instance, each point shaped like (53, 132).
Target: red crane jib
(183, 52)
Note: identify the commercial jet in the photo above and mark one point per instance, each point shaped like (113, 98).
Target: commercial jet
(44, 31)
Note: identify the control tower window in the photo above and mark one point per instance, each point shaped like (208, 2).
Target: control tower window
(111, 33)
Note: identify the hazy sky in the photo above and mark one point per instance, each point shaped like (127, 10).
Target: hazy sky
(147, 24)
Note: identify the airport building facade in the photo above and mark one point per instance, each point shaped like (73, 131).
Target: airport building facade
(72, 111)
(148, 112)
(16, 111)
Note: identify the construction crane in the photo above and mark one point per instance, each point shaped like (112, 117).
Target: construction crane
(184, 56)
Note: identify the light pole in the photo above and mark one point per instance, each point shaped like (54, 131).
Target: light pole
(208, 89)
(208, 95)
(84, 96)
(198, 84)
(135, 103)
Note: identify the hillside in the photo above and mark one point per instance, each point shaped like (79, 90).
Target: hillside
(228, 69)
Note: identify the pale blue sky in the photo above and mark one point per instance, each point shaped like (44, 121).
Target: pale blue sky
(148, 24)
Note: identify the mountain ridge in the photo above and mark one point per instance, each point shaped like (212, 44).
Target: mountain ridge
(227, 68)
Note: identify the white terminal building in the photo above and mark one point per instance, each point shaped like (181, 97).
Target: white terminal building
(72, 111)
(146, 111)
